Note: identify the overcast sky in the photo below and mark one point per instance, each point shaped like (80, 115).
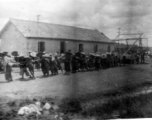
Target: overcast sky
(105, 15)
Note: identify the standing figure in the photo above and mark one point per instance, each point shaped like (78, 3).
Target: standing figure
(108, 61)
(115, 57)
(124, 59)
(87, 62)
(97, 62)
(74, 64)
(37, 63)
(62, 61)
(81, 59)
(53, 65)
(8, 68)
(30, 66)
(137, 58)
(59, 63)
(1, 66)
(142, 57)
(67, 62)
(23, 69)
(45, 65)
(103, 61)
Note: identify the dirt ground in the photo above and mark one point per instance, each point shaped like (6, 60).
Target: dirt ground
(115, 92)
(76, 84)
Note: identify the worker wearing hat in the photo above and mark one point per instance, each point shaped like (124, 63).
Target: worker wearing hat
(8, 67)
(45, 64)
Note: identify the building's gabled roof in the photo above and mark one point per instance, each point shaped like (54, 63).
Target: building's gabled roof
(33, 29)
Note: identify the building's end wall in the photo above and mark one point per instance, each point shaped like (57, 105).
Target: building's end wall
(13, 40)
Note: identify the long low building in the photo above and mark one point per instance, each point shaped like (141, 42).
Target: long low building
(24, 36)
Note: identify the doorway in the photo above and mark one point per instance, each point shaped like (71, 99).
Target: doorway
(62, 47)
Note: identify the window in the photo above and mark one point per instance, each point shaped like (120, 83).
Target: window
(95, 48)
(108, 48)
(62, 47)
(80, 47)
(41, 46)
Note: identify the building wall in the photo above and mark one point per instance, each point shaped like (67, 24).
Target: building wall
(50, 45)
(54, 46)
(13, 40)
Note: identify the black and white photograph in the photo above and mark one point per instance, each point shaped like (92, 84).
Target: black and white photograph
(75, 59)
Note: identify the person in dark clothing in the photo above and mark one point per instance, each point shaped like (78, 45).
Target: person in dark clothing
(37, 63)
(137, 58)
(1, 66)
(97, 63)
(68, 56)
(103, 61)
(115, 57)
(53, 65)
(74, 64)
(45, 66)
(84, 62)
(108, 61)
(87, 62)
(59, 61)
(91, 62)
(142, 57)
(78, 61)
(23, 68)
(111, 60)
(119, 60)
(30, 66)
(81, 60)
(124, 59)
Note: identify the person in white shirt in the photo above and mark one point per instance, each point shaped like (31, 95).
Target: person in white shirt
(8, 67)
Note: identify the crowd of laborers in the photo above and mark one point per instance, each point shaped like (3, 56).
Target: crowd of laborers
(72, 63)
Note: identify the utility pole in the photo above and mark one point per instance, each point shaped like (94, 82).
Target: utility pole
(38, 16)
(119, 30)
(119, 46)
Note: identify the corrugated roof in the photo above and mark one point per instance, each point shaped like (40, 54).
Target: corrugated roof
(33, 29)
